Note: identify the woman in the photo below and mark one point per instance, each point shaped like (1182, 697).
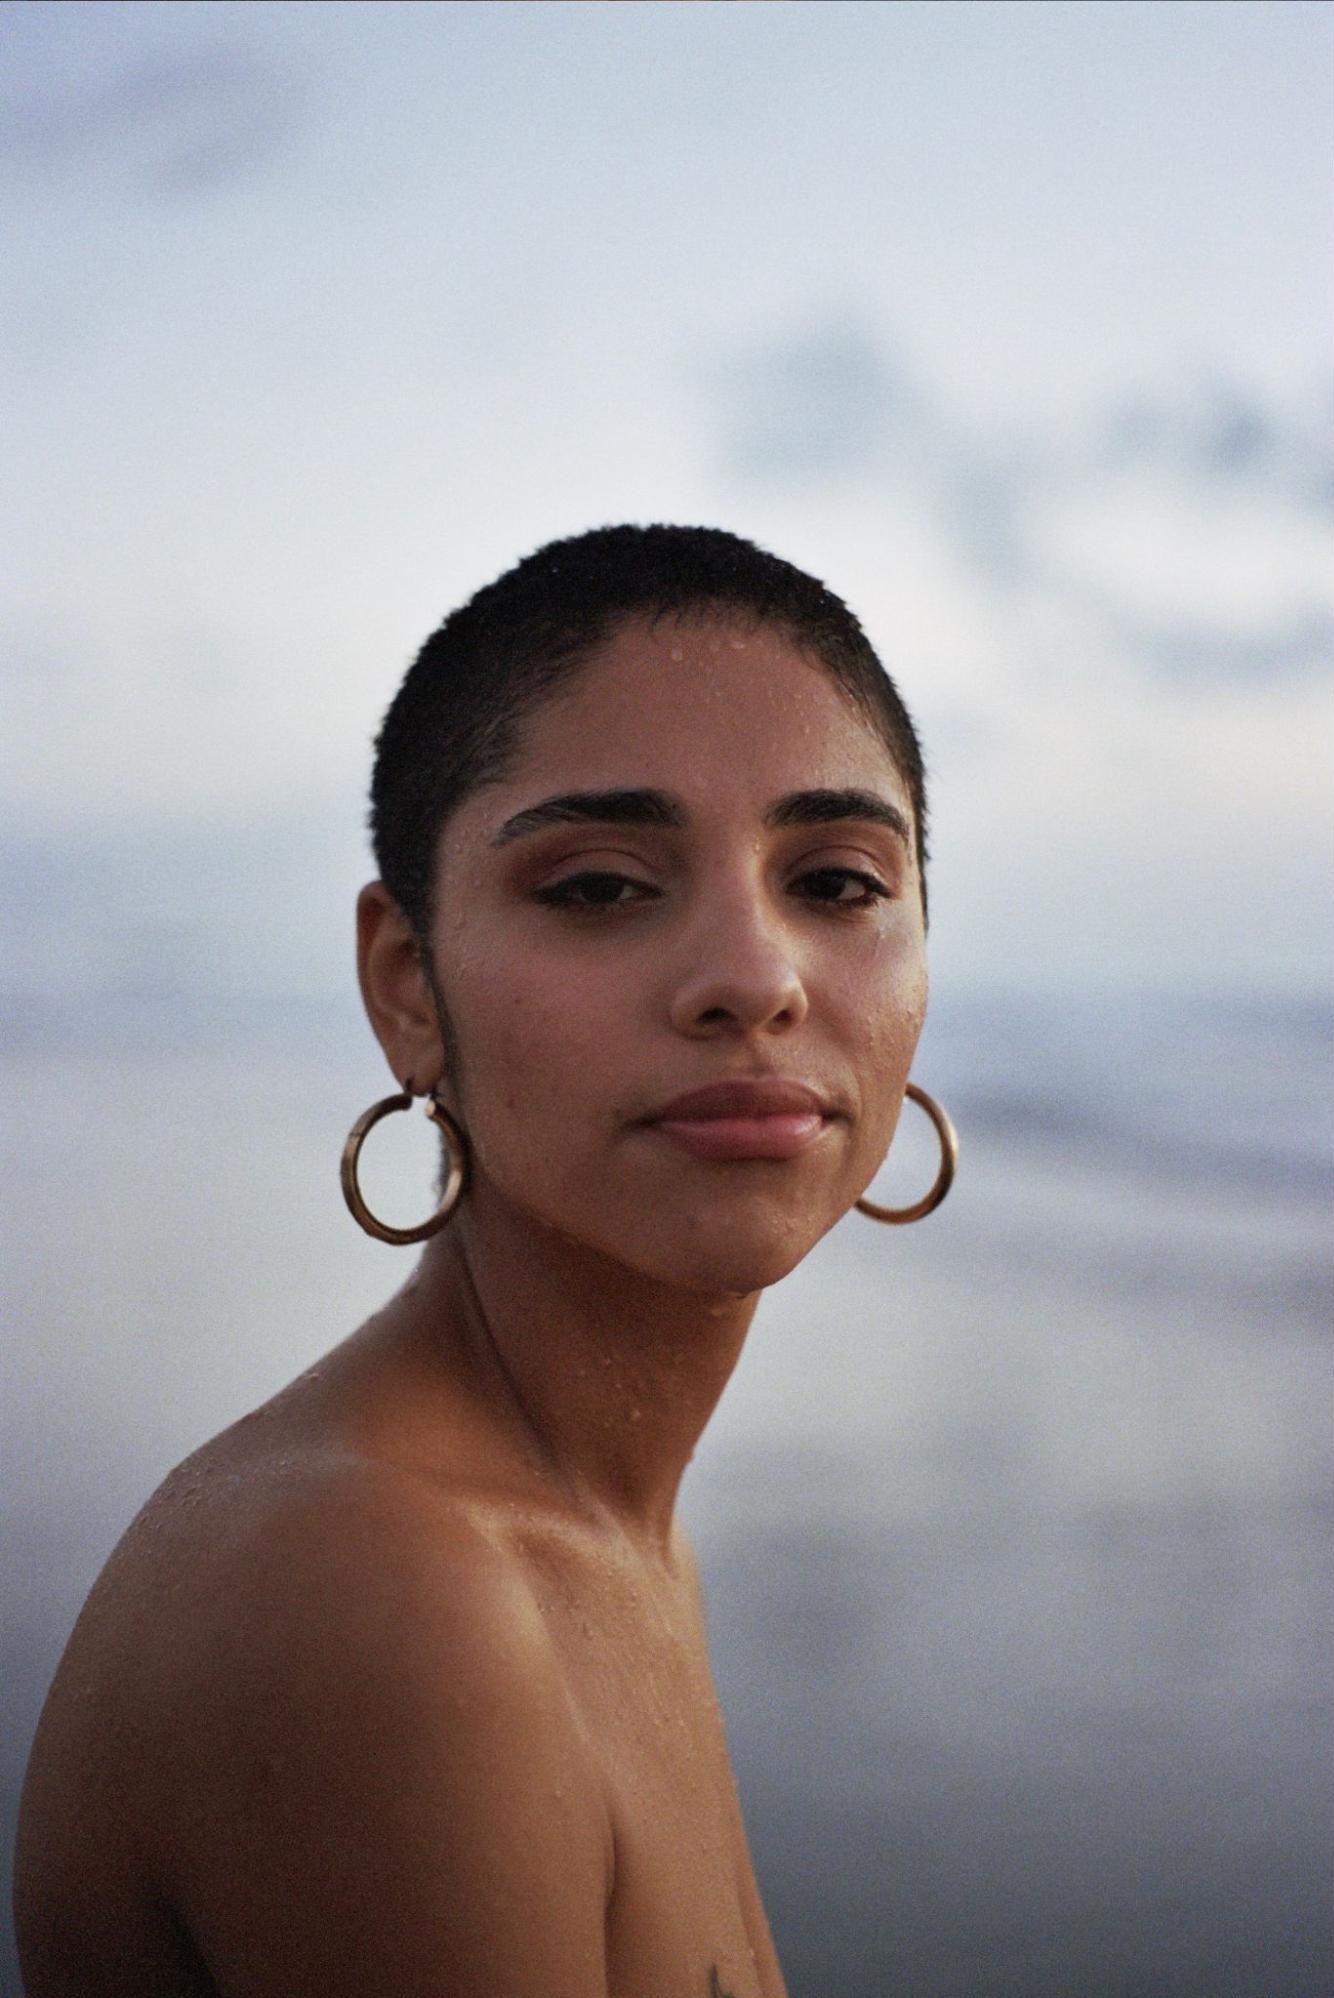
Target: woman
(399, 1686)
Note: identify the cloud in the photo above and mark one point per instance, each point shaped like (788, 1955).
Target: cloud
(1301, 643)
(1222, 435)
(171, 123)
(1195, 570)
(1187, 527)
(822, 400)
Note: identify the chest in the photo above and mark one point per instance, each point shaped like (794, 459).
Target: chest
(684, 1917)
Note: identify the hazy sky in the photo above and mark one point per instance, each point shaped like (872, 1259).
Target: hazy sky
(1010, 320)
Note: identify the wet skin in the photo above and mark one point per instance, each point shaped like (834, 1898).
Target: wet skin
(401, 1684)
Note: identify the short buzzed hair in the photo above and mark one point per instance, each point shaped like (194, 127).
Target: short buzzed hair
(454, 723)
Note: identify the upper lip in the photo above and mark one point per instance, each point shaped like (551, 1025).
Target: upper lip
(758, 1096)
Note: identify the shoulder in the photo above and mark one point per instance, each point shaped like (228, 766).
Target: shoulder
(258, 1593)
(299, 1535)
(235, 1543)
(316, 1679)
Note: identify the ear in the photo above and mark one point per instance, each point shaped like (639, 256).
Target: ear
(396, 991)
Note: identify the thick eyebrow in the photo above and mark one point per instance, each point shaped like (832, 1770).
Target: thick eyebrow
(655, 808)
(608, 808)
(818, 808)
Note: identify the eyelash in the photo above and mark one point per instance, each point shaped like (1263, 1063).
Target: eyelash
(566, 894)
(571, 892)
(873, 888)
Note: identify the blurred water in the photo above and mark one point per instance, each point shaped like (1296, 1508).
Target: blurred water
(1015, 1524)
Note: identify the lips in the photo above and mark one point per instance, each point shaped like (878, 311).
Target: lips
(745, 1096)
(765, 1117)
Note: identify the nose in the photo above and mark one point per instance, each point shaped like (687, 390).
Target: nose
(740, 976)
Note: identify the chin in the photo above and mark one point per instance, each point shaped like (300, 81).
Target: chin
(722, 1247)
(733, 1255)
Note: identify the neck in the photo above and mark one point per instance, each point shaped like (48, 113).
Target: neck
(604, 1378)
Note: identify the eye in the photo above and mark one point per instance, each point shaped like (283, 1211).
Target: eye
(594, 891)
(841, 887)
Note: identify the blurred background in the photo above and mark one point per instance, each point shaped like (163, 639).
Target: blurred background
(1011, 321)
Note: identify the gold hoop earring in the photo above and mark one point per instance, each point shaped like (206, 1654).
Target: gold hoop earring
(454, 1178)
(944, 1179)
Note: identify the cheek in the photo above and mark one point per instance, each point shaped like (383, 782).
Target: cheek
(529, 1051)
(883, 1008)
(880, 995)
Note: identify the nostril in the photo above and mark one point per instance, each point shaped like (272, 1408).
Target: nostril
(738, 999)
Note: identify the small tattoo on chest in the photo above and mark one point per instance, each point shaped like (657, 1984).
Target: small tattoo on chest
(716, 1986)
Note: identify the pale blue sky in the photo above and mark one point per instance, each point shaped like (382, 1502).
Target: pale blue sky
(1011, 320)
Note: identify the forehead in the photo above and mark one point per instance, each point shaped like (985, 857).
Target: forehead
(693, 704)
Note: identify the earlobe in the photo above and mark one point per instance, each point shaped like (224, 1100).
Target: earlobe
(396, 990)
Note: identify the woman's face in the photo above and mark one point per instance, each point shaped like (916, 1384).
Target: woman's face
(699, 871)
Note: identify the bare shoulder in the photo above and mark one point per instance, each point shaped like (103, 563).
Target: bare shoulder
(313, 1705)
(250, 1565)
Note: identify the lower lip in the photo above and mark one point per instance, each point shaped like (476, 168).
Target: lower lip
(782, 1137)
